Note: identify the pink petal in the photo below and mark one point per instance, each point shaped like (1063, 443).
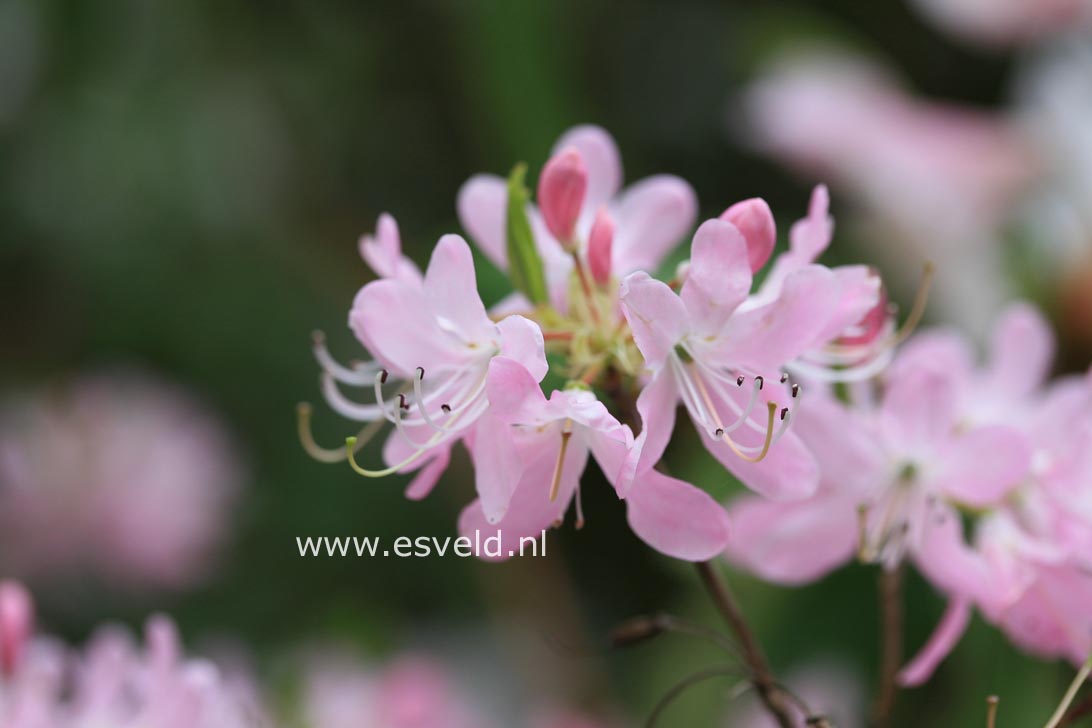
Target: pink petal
(655, 314)
(514, 394)
(452, 288)
(482, 206)
(403, 342)
(982, 466)
(429, 474)
(943, 556)
(858, 303)
(947, 635)
(846, 448)
(530, 510)
(675, 518)
(792, 543)
(719, 277)
(1021, 350)
(497, 465)
(788, 472)
(383, 252)
(756, 223)
(521, 340)
(601, 159)
(918, 413)
(810, 236)
(656, 405)
(652, 216)
(767, 337)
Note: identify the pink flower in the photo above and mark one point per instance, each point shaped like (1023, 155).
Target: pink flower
(115, 682)
(650, 217)
(530, 464)
(702, 344)
(436, 338)
(410, 692)
(117, 476)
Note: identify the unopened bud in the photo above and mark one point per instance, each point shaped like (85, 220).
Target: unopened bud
(561, 189)
(600, 241)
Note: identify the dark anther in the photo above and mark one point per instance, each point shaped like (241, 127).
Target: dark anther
(795, 391)
(383, 376)
(784, 412)
(402, 402)
(739, 381)
(784, 377)
(446, 408)
(760, 381)
(420, 372)
(719, 432)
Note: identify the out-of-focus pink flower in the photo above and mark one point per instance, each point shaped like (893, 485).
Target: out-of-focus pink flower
(937, 180)
(115, 682)
(1007, 22)
(651, 216)
(410, 692)
(117, 476)
(529, 470)
(702, 344)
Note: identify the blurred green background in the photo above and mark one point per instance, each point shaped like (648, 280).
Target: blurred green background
(182, 185)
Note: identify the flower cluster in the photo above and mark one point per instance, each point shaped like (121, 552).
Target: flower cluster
(114, 682)
(625, 348)
(938, 441)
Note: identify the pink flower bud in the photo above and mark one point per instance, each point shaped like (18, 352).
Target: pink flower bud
(561, 188)
(755, 221)
(600, 241)
(16, 621)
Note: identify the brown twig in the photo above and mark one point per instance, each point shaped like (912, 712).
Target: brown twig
(772, 697)
(891, 645)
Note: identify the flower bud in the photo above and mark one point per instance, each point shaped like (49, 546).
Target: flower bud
(561, 189)
(756, 223)
(600, 241)
(16, 622)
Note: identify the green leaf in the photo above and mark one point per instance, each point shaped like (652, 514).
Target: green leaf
(524, 263)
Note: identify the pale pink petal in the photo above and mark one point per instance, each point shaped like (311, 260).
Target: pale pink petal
(514, 394)
(810, 236)
(943, 556)
(601, 159)
(383, 252)
(675, 518)
(756, 222)
(947, 635)
(482, 206)
(656, 405)
(429, 474)
(918, 413)
(981, 467)
(859, 293)
(1021, 351)
(497, 465)
(792, 543)
(403, 342)
(530, 511)
(652, 217)
(767, 337)
(846, 447)
(788, 472)
(719, 277)
(655, 314)
(521, 340)
(452, 289)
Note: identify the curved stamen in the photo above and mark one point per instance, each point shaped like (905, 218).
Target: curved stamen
(360, 375)
(566, 435)
(744, 414)
(326, 454)
(446, 408)
(345, 406)
(917, 309)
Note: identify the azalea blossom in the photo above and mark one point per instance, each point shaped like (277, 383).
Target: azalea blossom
(113, 681)
(118, 478)
(446, 370)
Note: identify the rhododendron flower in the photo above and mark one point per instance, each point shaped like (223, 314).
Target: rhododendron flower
(114, 682)
(474, 376)
(125, 479)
